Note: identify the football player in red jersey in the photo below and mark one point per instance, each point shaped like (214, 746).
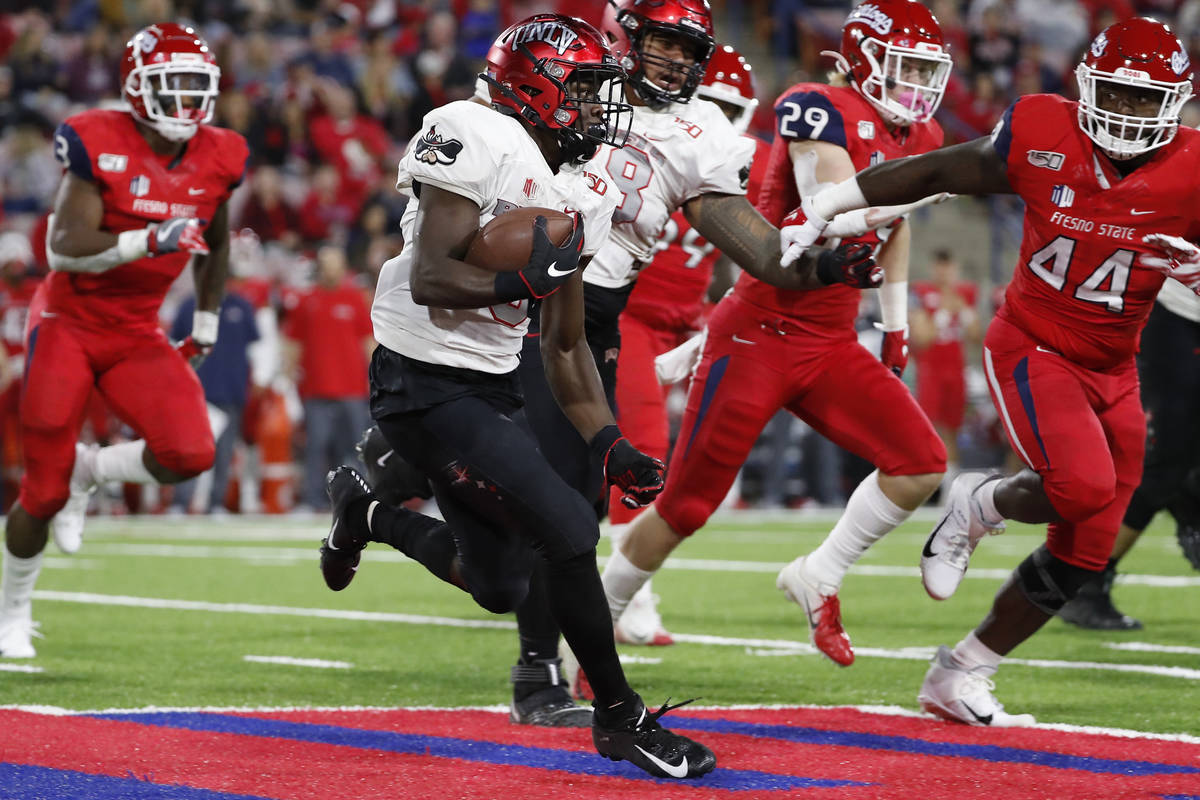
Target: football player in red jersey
(769, 348)
(144, 192)
(17, 285)
(1111, 203)
(667, 308)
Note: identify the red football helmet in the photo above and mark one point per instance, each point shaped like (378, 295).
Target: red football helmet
(546, 69)
(170, 79)
(626, 23)
(1144, 55)
(894, 54)
(729, 79)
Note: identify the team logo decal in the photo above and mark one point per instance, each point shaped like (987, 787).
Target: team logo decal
(558, 36)
(1046, 158)
(112, 163)
(877, 157)
(1062, 196)
(1180, 61)
(139, 186)
(874, 18)
(866, 129)
(1099, 45)
(531, 188)
(433, 149)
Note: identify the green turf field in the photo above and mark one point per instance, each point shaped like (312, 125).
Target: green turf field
(164, 611)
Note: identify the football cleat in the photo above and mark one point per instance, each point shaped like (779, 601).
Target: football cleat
(640, 740)
(67, 525)
(964, 695)
(1188, 537)
(16, 637)
(1093, 607)
(948, 549)
(641, 624)
(549, 706)
(342, 548)
(821, 608)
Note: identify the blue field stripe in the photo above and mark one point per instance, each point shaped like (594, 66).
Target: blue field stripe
(22, 782)
(904, 744)
(465, 749)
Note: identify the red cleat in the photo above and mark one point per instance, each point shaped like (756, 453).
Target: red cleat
(822, 609)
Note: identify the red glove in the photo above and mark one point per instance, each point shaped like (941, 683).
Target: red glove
(894, 350)
(193, 352)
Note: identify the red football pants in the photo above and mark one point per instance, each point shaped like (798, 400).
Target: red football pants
(1083, 431)
(141, 377)
(641, 400)
(753, 365)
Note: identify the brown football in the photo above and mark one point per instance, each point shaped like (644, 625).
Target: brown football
(505, 243)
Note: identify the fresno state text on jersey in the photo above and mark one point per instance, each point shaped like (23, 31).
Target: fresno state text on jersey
(138, 187)
(1077, 288)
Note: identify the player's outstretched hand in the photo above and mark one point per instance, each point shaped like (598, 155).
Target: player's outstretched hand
(549, 265)
(893, 351)
(799, 231)
(1178, 258)
(177, 234)
(851, 264)
(637, 475)
(193, 352)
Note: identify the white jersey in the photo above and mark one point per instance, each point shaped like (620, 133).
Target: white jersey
(489, 158)
(673, 155)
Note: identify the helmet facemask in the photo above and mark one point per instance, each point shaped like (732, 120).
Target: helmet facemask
(908, 85)
(656, 96)
(177, 95)
(1124, 136)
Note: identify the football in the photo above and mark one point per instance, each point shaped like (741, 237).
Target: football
(505, 243)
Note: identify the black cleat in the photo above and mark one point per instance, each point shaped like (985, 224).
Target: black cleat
(393, 479)
(1093, 607)
(342, 548)
(550, 704)
(1189, 543)
(640, 740)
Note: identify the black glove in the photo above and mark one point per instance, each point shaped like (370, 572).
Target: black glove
(637, 475)
(851, 264)
(548, 268)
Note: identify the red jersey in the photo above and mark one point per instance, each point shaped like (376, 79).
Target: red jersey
(331, 326)
(674, 284)
(841, 116)
(14, 312)
(946, 352)
(1076, 289)
(138, 187)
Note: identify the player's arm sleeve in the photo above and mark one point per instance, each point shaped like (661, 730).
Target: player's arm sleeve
(724, 165)
(453, 155)
(71, 152)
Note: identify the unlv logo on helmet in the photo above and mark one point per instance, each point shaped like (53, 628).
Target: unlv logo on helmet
(553, 33)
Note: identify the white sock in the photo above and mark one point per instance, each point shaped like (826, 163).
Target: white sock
(869, 515)
(948, 478)
(16, 585)
(621, 581)
(617, 533)
(971, 653)
(123, 463)
(985, 495)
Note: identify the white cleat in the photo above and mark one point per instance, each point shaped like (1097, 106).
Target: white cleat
(16, 637)
(68, 522)
(948, 549)
(964, 695)
(641, 623)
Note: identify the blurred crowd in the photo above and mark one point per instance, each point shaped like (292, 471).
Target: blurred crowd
(328, 94)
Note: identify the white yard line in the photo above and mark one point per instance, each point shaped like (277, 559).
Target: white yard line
(1146, 647)
(798, 647)
(6, 666)
(317, 663)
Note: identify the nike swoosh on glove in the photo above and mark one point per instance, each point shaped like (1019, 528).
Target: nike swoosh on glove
(637, 475)
(1179, 259)
(549, 265)
(177, 234)
(799, 231)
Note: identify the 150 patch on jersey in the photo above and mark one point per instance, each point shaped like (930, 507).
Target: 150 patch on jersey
(433, 149)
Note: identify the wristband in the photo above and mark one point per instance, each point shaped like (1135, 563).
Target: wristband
(204, 327)
(838, 199)
(132, 245)
(604, 440)
(510, 287)
(893, 305)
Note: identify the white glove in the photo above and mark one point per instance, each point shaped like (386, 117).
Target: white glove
(1180, 259)
(799, 231)
(675, 365)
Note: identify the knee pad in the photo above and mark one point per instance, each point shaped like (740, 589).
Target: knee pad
(502, 597)
(392, 478)
(42, 504)
(686, 515)
(1049, 582)
(188, 463)
(1089, 495)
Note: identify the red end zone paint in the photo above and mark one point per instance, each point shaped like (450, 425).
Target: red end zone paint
(895, 756)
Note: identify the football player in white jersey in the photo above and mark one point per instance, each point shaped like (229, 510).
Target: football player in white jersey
(443, 380)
